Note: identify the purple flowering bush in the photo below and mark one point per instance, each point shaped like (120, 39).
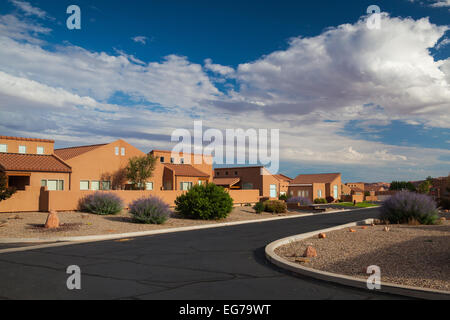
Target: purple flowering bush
(102, 203)
(302, 200)
(150, 210)
(406, 206)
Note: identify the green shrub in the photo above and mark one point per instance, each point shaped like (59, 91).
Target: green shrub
(259, 207)
(406, 206)
(320, 200)
(329, 199)
(205, 202)
(150, 210)
(101, 203)
(275, 206)
(283, 197)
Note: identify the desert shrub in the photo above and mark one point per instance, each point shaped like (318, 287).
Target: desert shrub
(259, 207)
(205, 202)
(302, 200)
(102, 203)
(275, 206)
(320, 200)
(150, 210)
(406, 206)
(283, 197)
(329, 199)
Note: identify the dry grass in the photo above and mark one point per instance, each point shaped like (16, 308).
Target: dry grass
(412, 255)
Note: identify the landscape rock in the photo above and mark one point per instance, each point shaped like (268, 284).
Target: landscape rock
(52, 220)
(387, 229)
(322, 235)
(352, 230)
(310, 252)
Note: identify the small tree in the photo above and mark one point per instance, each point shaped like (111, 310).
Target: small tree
(402, 185)
(5, 192)
(139, 169)
(424, 187)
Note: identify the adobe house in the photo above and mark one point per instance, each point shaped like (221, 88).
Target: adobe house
(313, 186)
(31, 162)
(359, 186)
(257, 177)
(180, 171)
(98, 167)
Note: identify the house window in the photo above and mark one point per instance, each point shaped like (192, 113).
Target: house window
(106, 185)
(335, 191)
(95, 185)
(116, 151)
(3, 148)
(273, 190)
(40, 150)
(84, 185)
(319, 193)
(235, 173)
(217, 173)
(172, 160)
(185, 185)
(161, 159)
(122, 151)
(247, 186)
(182, 160)
(22, 149)
(200, 182)
(292, 193)
(53, 185)
(149, 186)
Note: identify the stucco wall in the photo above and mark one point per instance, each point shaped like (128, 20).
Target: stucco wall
(28, 200)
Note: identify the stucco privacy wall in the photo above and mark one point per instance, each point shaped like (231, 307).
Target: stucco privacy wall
(68, 200)
(30, 199)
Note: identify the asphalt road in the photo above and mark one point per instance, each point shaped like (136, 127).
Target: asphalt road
(219, 263)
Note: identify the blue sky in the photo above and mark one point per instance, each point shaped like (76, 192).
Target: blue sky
(373, 105)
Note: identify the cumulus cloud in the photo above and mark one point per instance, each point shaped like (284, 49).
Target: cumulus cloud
(346, 73)
(351, 65)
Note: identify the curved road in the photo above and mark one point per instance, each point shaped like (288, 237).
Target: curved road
(218, 263)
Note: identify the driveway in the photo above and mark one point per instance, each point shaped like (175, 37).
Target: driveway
(219, 263)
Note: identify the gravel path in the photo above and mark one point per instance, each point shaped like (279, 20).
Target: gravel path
(409, 255)
(29, 224)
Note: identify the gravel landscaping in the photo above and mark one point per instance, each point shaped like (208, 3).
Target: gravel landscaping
(409, 255)
(30, 224)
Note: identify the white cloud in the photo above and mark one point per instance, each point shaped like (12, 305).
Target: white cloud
(29, 10)
(352, 66)
(346, 73)
(140, 39)
(219, 69)
(441, 3)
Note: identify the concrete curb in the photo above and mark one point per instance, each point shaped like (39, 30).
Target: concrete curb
(407, 291)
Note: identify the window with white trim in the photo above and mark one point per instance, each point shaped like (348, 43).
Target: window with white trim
(106, 185)
(122, 151)
(149, 186)
(40, 150)
(53, 185)
(185, 186)
(116, 151)
(84, 185)
(3, 148)
(95, 185)
(319, 193)
(22, 149)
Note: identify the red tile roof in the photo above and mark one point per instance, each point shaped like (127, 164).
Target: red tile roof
(315, 178)
(69, 153)
(226, 181)
(26, 139)
(185, 170)
(282, 177)
(32, 162)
